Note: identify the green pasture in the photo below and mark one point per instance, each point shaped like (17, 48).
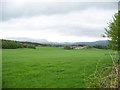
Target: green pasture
(51, 67)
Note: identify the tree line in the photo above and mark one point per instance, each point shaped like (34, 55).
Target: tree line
(69, 47)
(11, 44)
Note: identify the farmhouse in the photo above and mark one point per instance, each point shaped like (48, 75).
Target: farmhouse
(79, 47)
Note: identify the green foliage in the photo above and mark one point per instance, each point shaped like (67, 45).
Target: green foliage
(67, 47)
(51, 67)
(113, 32)
(101, 47)
(106, 76)
(10, 44)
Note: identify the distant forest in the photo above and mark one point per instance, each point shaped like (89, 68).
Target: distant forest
(12, 44)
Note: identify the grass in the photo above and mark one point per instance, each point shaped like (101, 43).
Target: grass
(0, 68)
(50, 67)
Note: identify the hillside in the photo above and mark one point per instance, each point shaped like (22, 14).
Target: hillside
(44, 41)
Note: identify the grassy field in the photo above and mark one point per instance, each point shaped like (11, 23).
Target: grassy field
(50, 67)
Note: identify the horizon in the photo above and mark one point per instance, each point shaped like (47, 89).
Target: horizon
(25, 39)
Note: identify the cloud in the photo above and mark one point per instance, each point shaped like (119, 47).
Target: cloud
(56, 21)
(74, 21)
(15, 9)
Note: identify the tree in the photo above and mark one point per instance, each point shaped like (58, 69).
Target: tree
(113, 32)
(67, 47)
(10, 44)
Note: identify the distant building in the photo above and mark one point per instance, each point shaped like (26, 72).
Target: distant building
(79, 47)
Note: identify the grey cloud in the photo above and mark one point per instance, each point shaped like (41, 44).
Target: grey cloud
(10, 10)
(79, 31)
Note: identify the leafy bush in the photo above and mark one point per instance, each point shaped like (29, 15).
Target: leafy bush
(67, 47)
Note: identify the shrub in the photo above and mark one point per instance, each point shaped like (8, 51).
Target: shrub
(67, 47)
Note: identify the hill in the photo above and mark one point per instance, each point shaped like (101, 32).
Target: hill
(46, 42)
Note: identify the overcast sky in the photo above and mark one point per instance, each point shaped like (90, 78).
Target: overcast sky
(56, 21)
